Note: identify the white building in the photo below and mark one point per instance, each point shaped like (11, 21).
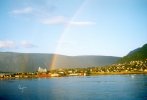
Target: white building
(42, 70)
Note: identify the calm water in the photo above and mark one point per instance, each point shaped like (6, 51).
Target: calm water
(107, 87)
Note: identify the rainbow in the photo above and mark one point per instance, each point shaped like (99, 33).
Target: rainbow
(65, 32)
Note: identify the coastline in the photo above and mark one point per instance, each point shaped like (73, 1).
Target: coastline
(92, 74)
(117, 73)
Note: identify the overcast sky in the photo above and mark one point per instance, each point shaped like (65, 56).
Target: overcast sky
(73, 27)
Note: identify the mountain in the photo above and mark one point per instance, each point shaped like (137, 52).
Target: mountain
(133, 51)
(137, 54)
(27, 62)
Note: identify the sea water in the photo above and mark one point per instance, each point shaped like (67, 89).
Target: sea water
(103, 87)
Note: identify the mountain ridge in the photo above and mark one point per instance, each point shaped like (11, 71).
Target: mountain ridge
(19, 62)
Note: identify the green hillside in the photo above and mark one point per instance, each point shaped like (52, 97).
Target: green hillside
(137, 54)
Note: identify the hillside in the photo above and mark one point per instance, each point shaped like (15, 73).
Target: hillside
(137, 54)
(26, 62)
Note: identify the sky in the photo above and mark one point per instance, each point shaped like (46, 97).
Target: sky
(73, 27)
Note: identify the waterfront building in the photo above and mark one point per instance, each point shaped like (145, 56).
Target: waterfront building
(42, 70)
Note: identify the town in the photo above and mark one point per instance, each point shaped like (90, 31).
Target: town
(132, 67)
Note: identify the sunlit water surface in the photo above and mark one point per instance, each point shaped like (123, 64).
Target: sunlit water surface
(104, 87)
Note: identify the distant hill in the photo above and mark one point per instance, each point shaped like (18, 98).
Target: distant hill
(26, 62)
(137, 54)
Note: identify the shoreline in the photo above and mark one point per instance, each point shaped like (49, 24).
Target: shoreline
(92, 74)
(116, 73)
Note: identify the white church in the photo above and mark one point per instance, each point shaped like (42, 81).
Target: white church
(42, 70)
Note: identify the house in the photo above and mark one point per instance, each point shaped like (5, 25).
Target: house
(2, 75)
(54, 75)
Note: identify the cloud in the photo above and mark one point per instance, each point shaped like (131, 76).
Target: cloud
(27, 44)
(44, 16)
(25, 10)
(54, 20)
(35, 11)
(7, 44)
(63, 20)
